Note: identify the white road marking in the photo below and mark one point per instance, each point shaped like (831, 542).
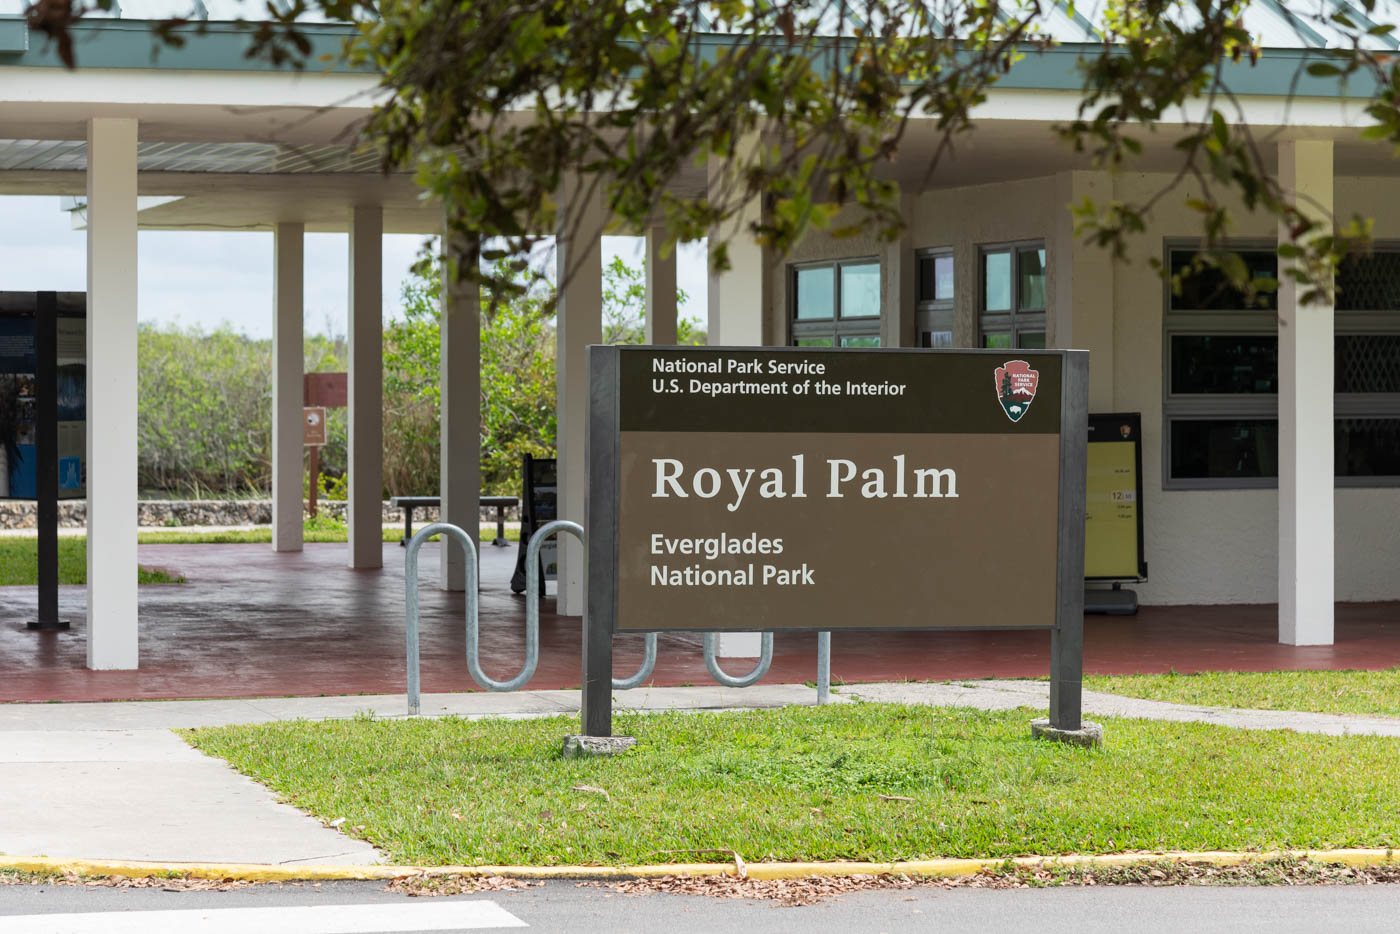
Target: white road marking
(436, 915)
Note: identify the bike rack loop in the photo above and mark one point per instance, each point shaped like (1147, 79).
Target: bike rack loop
(765, 658)
(532, 601)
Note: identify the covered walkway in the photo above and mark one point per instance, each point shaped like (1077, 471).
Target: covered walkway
(255, 623)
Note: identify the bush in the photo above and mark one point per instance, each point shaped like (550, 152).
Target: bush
(205, 423)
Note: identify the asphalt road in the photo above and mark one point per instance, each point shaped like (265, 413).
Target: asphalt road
(366, 908)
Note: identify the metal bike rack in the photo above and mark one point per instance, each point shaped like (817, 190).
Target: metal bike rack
(532, 612)
(532, 623)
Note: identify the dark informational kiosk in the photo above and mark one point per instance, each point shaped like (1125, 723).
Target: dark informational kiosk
(757, 489)
(43, 418)
(1113, 538)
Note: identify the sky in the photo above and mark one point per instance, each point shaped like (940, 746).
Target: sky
(207, 278)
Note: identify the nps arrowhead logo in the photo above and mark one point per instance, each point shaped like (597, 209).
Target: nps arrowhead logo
(1015, 384)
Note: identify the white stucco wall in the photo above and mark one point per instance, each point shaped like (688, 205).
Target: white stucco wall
(1221, 546)
(1218, 546)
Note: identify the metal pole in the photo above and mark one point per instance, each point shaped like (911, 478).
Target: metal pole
(600, 548)
(46, 456)
(823, 667)
(1067, 638)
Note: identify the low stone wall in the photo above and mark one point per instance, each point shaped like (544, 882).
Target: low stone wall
(174, 513)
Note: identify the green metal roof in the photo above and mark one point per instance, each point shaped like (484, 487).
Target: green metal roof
(129, 43)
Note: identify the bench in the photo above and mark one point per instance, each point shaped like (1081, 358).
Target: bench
(410, 503)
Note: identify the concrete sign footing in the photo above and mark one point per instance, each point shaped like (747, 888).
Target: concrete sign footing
(1088, 734)
(588, 747)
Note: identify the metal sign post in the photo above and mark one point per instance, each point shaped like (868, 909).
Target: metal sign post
(758, 489)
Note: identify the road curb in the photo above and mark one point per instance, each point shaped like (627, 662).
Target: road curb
(931, 868)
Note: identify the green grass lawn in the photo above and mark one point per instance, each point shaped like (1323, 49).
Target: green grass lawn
(1359, 692)
(19, 556)
(19, 563)
(860, 781)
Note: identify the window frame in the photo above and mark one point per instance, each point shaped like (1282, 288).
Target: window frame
(1241, 406)
(935, 314)
(836, 327)
(1016, 320)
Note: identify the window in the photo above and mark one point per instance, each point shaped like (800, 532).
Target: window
(934, 295)
(836, 304)
(1220, 378)
(1012, 296)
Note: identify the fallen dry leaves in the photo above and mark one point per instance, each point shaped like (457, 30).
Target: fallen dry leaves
(811, 890)
(426, 884)
(808, 890)
(169, 884)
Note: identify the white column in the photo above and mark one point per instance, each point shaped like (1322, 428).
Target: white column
(740, 297)
(459, 378)
(111, 393)
(579, 268)
(1305, 421)
(661, 289)
(899, 278)
(366, 388)
(288, 362)
(1081, 287)
(739, 302)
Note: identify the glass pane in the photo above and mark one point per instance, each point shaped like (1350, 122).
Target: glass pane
(936, 339)
(860, 291)
(1369, 283)
(1367, 363)
(1031, 340)
(996, 281)
(1226, 448)
(814, 342)
(1208, 290)
(816, 293)
(1031, 266)
(943, 278)
(870, 341)
(1001, 341)
(1368, 447)
(1224, 363)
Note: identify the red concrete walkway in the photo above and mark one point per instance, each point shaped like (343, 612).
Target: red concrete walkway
(252, 623)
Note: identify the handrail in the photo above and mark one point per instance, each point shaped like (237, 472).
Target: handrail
(765, 658)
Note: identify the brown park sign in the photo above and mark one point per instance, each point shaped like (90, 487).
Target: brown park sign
(763, 489)
(771, 489)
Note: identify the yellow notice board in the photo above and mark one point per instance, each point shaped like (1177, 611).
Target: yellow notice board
(1113, 506)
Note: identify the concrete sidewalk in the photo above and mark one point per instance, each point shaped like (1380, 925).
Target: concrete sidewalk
(111, 781)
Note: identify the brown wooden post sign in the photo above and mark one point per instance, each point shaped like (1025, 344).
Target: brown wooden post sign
(760, 489)
(320, 391)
